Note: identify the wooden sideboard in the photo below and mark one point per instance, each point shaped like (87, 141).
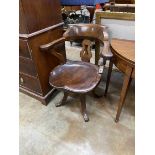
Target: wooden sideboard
(40, 22)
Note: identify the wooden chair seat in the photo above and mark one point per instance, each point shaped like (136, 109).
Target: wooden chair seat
(77, 77)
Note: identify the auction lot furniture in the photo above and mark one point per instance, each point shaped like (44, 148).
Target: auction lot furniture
(40, 22)
(120, 7)
(78, 77)
(121, 33)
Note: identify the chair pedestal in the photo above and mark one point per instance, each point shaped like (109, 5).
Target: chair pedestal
(83, 104)
(75, 78)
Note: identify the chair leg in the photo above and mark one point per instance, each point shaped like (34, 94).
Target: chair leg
(108, 77)
(125, 87)
(83, 108)
(97, 49)
(63, 101)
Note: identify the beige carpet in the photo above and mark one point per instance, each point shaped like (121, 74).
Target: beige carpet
(47, 130)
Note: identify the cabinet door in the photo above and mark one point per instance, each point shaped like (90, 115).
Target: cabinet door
(27, 66)
(30, 83)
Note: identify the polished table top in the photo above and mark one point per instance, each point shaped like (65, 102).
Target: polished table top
(124, 49)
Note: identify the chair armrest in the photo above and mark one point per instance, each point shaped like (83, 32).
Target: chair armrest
(106, 52)
(106, 35)
(52, 44)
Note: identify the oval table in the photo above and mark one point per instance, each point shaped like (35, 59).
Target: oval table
(124, 59)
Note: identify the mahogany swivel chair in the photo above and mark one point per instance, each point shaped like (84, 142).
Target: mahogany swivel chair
(79, 77)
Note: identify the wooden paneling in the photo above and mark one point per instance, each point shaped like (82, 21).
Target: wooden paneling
(24, 49)
(30, 83)
(22, 23)
(40, 14)
(27, 66)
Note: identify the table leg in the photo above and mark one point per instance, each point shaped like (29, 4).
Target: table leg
(108, 77)
(83, 108)
(63, 100)
(126, 83)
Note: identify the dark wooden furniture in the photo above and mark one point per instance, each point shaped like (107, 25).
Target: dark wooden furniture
(119, 7)
(124, 59)
(78, 77)
(40, 22)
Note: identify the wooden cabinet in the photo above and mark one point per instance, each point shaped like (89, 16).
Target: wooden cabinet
(40, 22)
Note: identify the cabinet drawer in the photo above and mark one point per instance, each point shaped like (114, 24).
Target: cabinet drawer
(30, 83)
(24, 49)
(27, 66)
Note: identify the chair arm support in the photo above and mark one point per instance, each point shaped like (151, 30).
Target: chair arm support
(104, 56)
(106, 52)
(100, 65)
(106, 35)
(52, 44)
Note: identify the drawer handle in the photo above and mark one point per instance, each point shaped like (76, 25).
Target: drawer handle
(21, 80)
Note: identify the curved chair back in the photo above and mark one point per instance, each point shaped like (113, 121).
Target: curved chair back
(85, 31)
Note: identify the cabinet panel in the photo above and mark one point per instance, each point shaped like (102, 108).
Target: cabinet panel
(41, 14)
(27, 66)
(22, 24)
(30, 83)
(24, 49)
